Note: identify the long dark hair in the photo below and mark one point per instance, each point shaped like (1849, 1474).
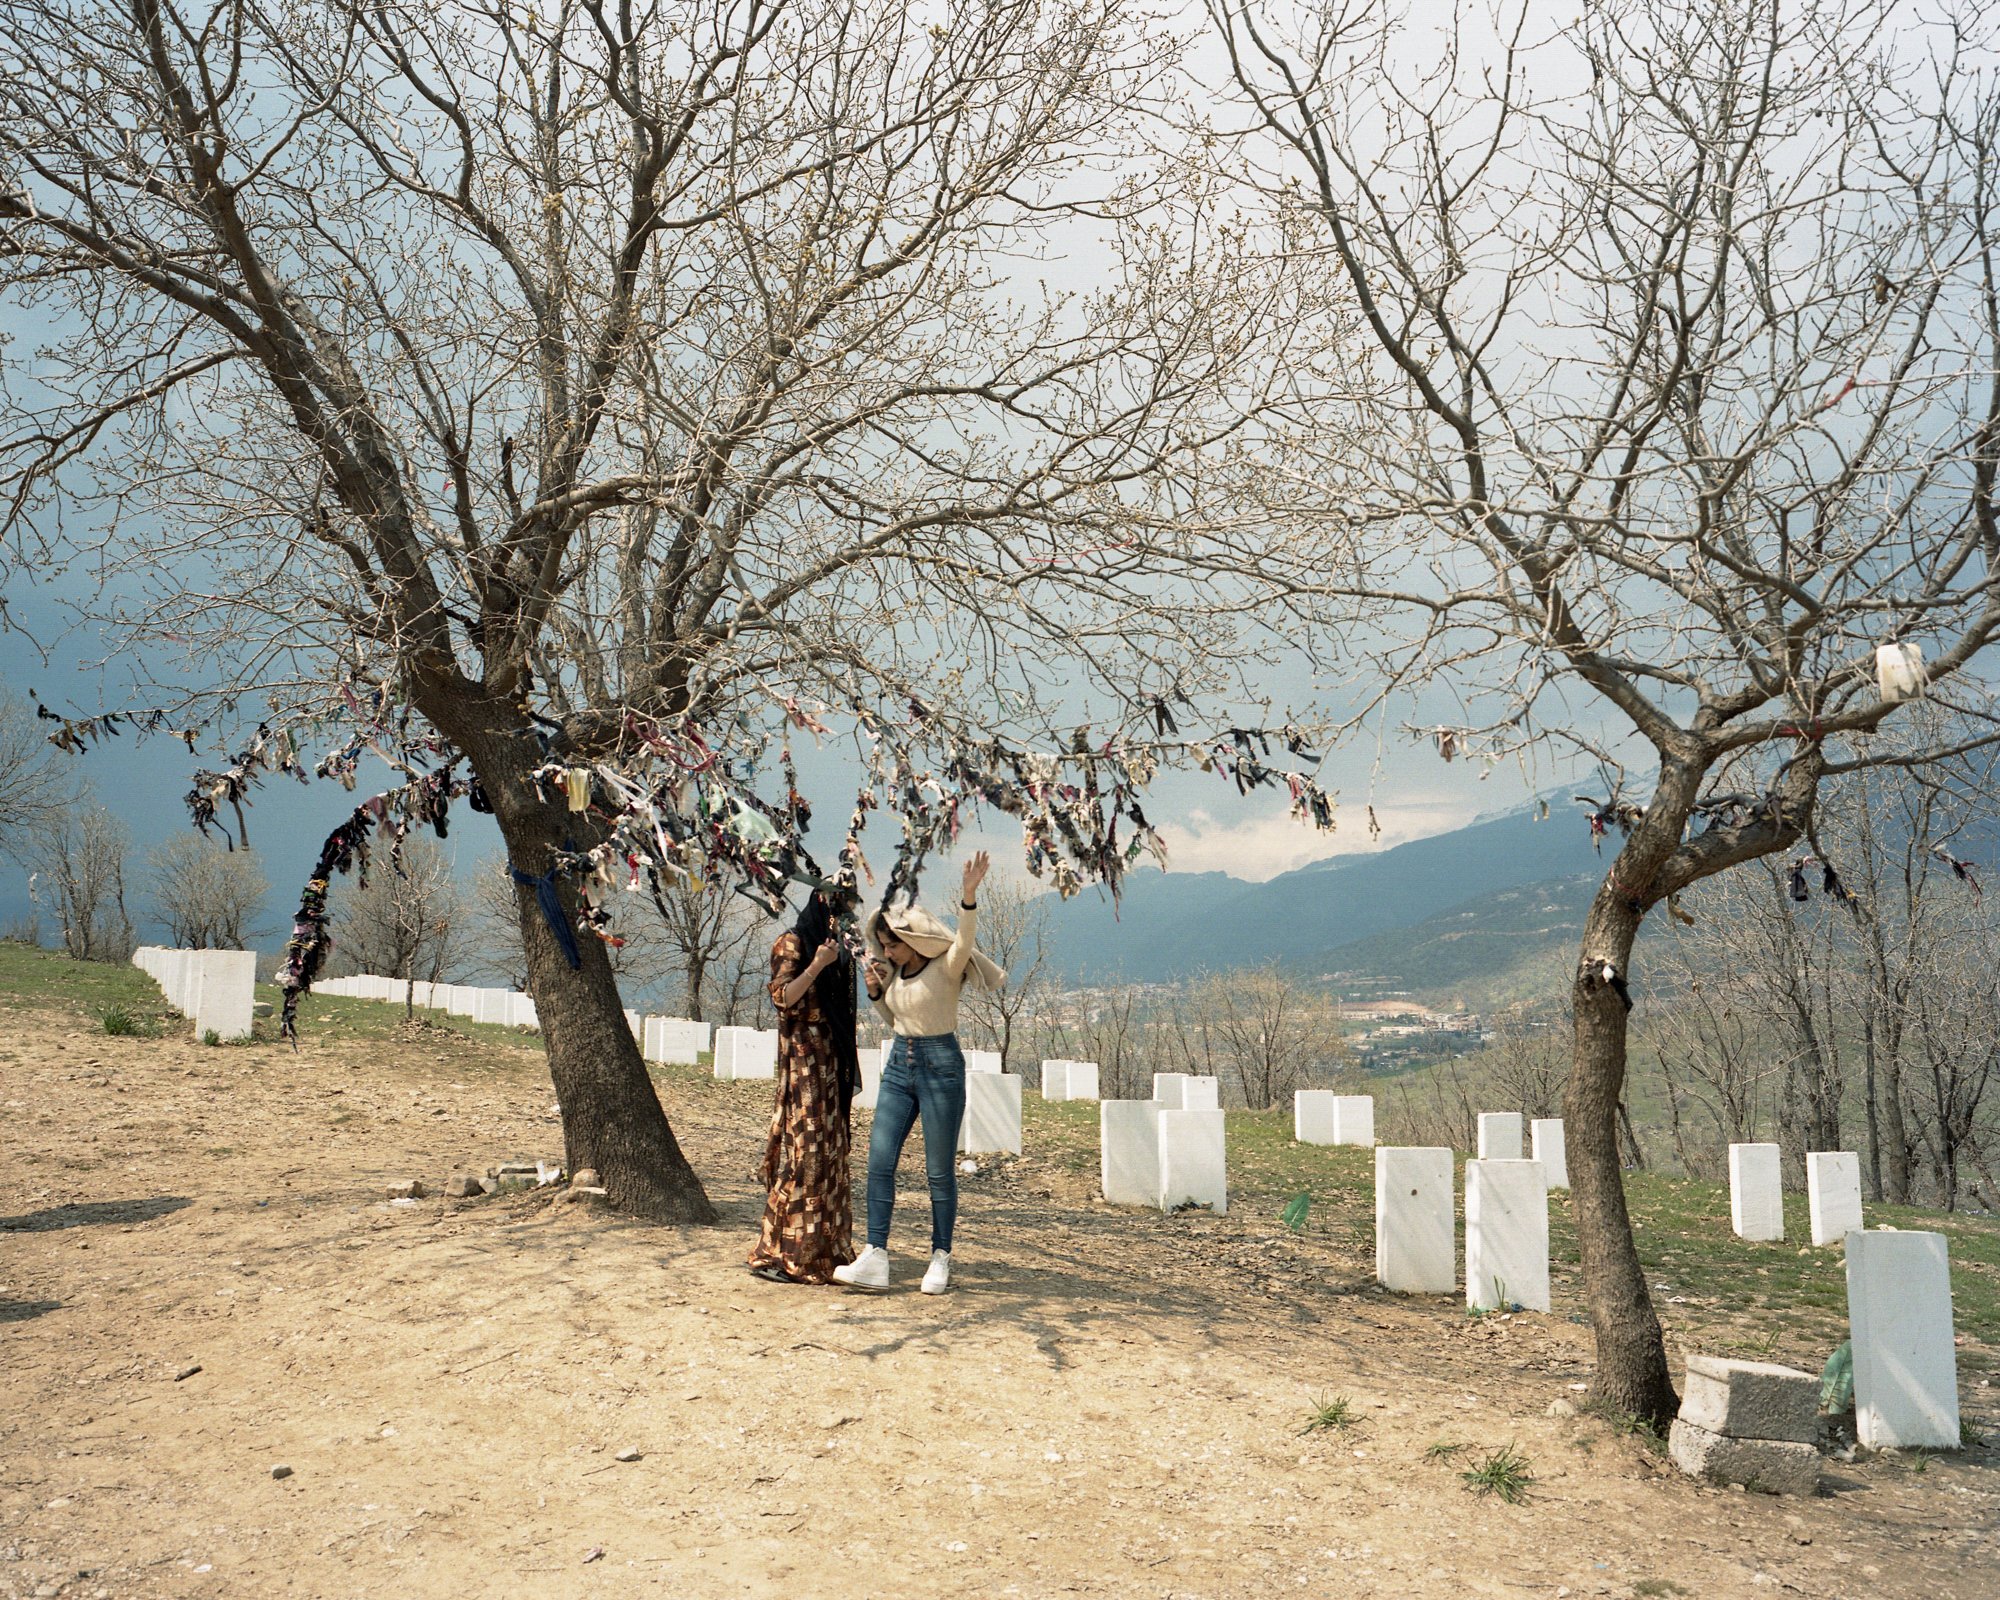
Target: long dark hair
(835, 988)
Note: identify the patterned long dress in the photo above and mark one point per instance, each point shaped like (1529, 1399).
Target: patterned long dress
(809, 1218)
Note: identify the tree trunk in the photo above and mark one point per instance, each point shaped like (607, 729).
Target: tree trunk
(612, 1118)
(1632, 1374)
(1895, 1135)
(1874, 1166)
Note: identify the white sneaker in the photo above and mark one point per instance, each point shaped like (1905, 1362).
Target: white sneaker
(937, 1276)
(869, 1270)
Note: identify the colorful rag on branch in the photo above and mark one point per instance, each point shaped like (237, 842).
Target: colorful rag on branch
(676, 807)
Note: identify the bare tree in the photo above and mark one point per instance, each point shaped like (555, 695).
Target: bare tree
(409, 921)
(34, 793)
(209, 897)
(715, 952)
(77, 860)
(618, 388)
(1262, 1032)
(1014, 931)
(1683, 405)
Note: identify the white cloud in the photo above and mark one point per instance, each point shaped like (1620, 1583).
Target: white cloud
(1259, 847)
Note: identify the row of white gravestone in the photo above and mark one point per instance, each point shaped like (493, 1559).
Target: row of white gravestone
(1069, 1080)
(1506, 1228)
(1169, 1151)
(1319, 1116)
(216, 988)
(1757, 1193)
(1500, 1140)
(505, 1008)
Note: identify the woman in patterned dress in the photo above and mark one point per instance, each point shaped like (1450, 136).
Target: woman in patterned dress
(809, 1217)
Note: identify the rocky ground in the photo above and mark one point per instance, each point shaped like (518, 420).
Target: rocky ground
(201, 1284)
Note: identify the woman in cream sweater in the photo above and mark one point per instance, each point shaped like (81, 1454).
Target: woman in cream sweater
(916, 971)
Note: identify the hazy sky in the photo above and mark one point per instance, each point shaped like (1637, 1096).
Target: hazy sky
(1207, 825)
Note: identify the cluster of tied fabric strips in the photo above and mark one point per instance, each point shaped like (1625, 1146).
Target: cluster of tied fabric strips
(674, 809)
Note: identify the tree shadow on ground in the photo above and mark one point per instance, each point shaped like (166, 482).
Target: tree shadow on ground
(92, 1213)
(26, 1310)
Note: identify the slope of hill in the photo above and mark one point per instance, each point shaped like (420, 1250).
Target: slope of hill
(1173, 925)
(1509, 945)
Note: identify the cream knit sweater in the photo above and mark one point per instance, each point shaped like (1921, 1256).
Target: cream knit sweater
(927, 1005)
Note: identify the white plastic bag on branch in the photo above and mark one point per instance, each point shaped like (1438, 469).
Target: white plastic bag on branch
(1899, 671)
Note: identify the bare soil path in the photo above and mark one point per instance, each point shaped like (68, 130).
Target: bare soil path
(1109, 1404)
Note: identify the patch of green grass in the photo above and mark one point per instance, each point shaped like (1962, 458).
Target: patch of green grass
(1624, 1422)
(1969, 1438)
(1504, 1474)
(210, 1037)
(1444, 1450)
(1656, 1586)
(1330, 1414)
(122, 1023)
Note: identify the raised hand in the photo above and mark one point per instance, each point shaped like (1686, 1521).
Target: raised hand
(975, 874)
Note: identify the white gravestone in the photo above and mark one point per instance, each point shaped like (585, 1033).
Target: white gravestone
(228, 993)
(490, 1006)
(1312, 1116)
(982, 1060)
(1170, 1089)
(1203, 1094)
(521, 1012)
(871, 1077)
(675, 1041)
(1129, 1151)
(1413, 1221)
(1546, 1145)
(1500, 1136)
(746, 1053)
(1354, 1119)
(1905, 1365)
(758, 1055)
(1194, 1160)
(1055, 1080)
(1756, 1192)
(1833, 1193)
(992, 1114)
(1082, 1080)
(1506, 1235)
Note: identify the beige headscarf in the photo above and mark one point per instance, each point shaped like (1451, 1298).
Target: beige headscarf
(930, 938)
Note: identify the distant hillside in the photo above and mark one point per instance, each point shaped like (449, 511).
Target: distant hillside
(1510, 945)
(1322, 918)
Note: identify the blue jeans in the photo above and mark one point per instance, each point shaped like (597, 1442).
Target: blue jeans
(922, 1077)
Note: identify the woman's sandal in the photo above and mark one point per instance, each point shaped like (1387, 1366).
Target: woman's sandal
(772, 1274)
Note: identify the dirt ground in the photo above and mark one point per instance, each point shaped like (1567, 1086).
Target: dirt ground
(1109, 1404)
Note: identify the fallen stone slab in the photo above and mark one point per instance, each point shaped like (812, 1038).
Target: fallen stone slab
(411, 1189)
(1775, 1466)
(1751, 1400)
(464, 1187)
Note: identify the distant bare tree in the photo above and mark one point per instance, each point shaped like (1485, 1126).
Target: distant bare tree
(413, 923)
(1014, 931)
(209, 897)
(1262, 1032)
(34, 792)
(77, 856)
(714, 951)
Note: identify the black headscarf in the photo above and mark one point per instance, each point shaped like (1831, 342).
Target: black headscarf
(835, 988)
